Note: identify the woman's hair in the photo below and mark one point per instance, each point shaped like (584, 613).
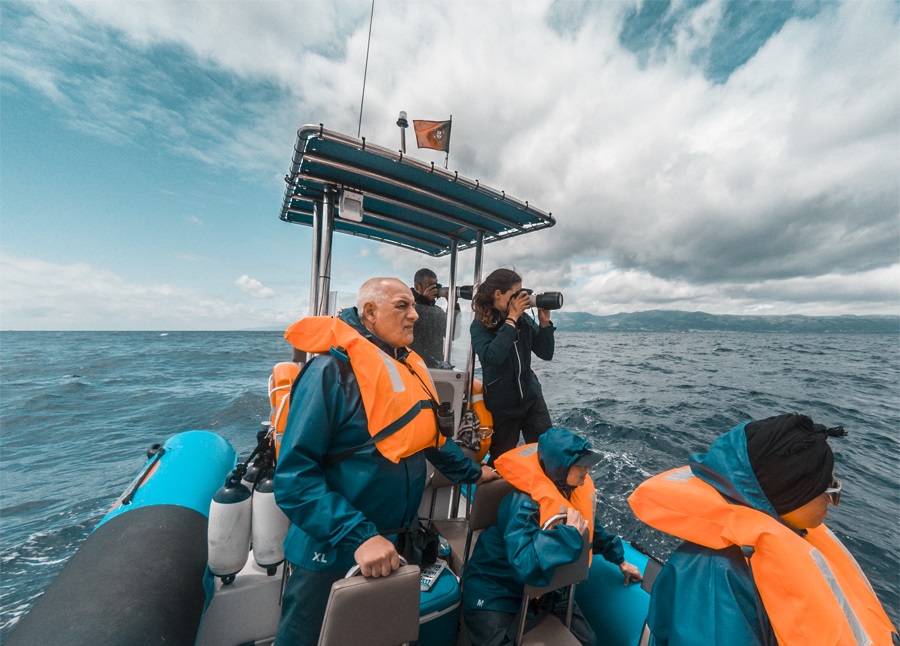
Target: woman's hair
(483, 300)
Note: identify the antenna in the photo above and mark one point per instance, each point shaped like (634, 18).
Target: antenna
(365, 71)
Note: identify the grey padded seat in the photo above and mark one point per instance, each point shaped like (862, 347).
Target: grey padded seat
(483, 513)
(452, 529)
(373, 612)
(551, 631)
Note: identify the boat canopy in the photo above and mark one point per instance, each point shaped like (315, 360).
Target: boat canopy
(390, 197)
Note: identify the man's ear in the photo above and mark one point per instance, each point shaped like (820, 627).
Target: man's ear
(369, 311)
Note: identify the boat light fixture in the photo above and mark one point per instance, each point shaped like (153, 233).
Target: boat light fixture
(351, 206)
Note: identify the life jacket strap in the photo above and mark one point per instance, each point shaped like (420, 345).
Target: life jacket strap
(387, 431)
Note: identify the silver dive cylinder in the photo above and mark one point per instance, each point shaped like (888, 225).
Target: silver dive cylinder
(229, 528)
(269, 525)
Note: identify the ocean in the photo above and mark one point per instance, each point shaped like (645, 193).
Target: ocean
(79, 409)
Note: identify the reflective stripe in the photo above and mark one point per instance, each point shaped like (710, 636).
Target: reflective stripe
(396, 379)
(528, 450)
(852, 559)
(681, 475)
(478, 397)
(859, 633)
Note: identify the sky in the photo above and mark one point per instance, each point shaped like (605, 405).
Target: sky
(725, 156)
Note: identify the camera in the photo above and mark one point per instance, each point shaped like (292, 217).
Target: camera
(444, 415)
(463, 291)
(543, 301)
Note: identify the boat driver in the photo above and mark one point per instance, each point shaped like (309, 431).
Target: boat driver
(757, 567)
(341, 486)
(549, 475)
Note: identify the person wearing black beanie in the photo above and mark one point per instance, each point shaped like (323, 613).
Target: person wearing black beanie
(792, 461)
(757, 566)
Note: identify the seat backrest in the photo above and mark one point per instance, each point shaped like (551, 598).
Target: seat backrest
(373, 612)
(565, 575)
(486, 503)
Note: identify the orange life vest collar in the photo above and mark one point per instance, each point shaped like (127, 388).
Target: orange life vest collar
(812, 588)
(522, 469)
(393, 393)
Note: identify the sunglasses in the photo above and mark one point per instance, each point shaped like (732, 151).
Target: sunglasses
(835, 491)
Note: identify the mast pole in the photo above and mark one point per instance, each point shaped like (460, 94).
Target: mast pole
(365, 71)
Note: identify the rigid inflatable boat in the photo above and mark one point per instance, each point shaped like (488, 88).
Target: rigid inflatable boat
(190, 552)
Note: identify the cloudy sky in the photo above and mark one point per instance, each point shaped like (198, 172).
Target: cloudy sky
(732, 157)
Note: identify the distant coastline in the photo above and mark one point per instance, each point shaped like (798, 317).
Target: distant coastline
(677, 321)
(680, 321)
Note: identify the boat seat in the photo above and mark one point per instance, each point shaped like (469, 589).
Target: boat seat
(451, 526)
(381, 611)
(484, 508)
(551, 630)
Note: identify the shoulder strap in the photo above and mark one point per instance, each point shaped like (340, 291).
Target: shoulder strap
(387, 431)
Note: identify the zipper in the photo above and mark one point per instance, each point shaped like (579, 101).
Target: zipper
(519, 364)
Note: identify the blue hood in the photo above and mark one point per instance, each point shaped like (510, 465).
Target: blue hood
(557, 450)
(726, 467)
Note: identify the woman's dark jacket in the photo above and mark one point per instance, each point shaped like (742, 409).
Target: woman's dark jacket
(510, 386)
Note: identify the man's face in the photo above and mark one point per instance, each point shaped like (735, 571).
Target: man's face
(428, 287)
(392, 320)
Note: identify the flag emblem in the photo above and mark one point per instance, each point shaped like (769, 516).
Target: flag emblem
(433, 134)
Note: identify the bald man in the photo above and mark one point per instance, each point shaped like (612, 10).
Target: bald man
(352, 461)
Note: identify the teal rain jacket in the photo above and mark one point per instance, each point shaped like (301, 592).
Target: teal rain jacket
(334, 509)
(707, 596)
(510, 386)
(516, 551)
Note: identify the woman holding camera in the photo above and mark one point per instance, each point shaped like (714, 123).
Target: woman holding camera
(503, 337)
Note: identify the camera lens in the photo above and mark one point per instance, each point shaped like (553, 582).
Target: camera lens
(465, 291)
(547, 300)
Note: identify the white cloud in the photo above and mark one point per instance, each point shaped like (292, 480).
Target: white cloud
(41, 295)
(253, 287)
(779, 184)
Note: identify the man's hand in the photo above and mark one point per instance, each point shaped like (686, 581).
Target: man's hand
(576, 520)
(487, 474)
(377, 557)
(630, 572)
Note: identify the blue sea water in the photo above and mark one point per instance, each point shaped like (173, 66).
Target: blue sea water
(79, 409)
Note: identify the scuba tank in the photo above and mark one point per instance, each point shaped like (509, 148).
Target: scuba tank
(269, 526)
(229, 527)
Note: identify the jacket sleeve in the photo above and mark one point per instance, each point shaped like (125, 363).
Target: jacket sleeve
(453, 463)
(535, 553)
(492, 348)
(705, 596)
(542, 340)
(319, 409)
(609, 546)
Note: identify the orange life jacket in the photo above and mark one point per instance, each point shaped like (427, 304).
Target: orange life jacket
(393, 393)
(280, 381)
(522, 469)
(485, 420)
(813, 590)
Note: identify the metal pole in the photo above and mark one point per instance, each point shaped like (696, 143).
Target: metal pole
(316, 249)
(366, 70)
(324, 278)
(404, 124)
(451, 304)
(476, 280)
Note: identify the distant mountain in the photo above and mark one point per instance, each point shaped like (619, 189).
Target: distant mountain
(678, 321)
